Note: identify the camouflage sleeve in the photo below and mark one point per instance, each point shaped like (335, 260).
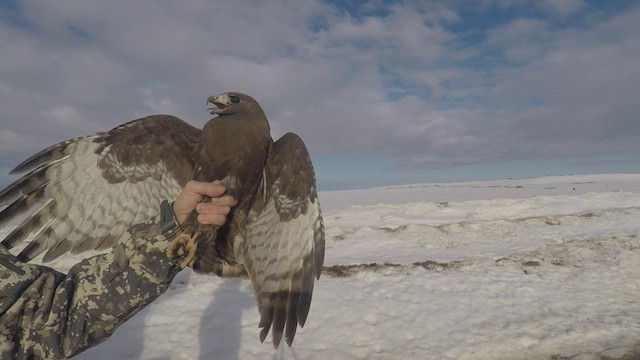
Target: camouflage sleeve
(45, 314)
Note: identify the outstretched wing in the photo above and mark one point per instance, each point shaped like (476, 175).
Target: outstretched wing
(284, 247)
(93, 188)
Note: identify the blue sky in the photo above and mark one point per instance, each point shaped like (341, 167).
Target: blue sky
(382, 92)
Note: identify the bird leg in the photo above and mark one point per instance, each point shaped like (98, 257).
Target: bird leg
(184, 248)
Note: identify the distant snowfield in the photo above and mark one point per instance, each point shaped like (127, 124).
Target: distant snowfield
(545, 268)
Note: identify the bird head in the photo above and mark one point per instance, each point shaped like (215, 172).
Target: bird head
(229, 103)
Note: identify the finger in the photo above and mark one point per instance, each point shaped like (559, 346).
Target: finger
(209, 219)
(214, 190)
(205, 188)
(213, 209)
(226, 200)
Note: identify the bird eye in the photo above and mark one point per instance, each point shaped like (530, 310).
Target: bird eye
(234, 99)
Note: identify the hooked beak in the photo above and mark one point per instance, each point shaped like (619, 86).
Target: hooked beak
(219, 106)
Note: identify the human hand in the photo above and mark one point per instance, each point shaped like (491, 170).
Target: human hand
(213, 212)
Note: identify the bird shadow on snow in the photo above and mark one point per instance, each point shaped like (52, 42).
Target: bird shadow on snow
(127, 342)
(220, 332)
(221, 322)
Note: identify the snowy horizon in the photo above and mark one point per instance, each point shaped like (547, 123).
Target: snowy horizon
(541, 268)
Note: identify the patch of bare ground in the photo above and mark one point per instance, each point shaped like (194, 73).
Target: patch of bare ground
(349, 270)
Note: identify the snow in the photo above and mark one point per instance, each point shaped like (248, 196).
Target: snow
(543, 268)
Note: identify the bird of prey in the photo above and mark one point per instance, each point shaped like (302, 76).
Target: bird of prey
(84, 193)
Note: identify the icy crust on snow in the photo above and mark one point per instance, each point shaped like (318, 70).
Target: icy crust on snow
(482, 190)
(544, 268)
(474, 229)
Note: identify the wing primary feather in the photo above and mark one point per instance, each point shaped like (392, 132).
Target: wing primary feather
(292, 307)
(266, 314)
(304, 304)
(279, 316)
(25, 184)
(35, 247)
(318, 245)
(90, 244)
(49, 155)
(306, 290)
(60, 248)
(21, 205)
(265, 190)
(29, 225)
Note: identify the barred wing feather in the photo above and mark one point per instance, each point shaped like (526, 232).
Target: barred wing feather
(284, 247)
(84, 193)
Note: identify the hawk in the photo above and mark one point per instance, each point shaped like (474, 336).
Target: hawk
(91, 189)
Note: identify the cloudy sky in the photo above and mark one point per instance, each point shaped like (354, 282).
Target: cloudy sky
(382, 92)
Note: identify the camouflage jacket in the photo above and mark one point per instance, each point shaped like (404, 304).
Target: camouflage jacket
(45, 314)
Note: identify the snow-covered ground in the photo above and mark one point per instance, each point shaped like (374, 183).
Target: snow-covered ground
(545, 268)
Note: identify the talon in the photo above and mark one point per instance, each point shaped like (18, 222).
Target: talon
(183, 248)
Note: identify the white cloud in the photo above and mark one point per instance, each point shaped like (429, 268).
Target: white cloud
(12, 142)
(399, 82)
(558, 8)
(562, 7)
(520, 40)
(584, 81)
